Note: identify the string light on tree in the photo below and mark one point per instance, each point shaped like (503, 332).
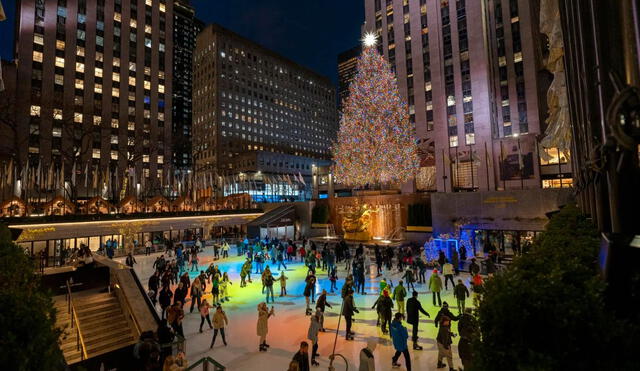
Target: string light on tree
(376, 141)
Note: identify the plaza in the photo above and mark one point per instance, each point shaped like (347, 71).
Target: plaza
(289, 326)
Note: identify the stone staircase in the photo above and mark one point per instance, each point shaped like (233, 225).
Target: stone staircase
(102, 323)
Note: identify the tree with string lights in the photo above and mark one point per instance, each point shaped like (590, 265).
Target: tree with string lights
(376, 142)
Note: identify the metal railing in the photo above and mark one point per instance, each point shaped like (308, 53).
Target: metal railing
(73, 319)
(206, 363)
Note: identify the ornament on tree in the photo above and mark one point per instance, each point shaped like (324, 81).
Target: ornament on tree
(376, 142)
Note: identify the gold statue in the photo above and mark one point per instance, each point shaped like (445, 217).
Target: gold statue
(356, 221)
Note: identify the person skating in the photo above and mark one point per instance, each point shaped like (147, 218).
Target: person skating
(333, 279)
(224, 287)
(263, 324)
(435, 285)
(399, 293)
(384, 304)
(283, 284)
(215, 289)
(444, 312)
(399, 335)
(196, 294)
(204, 314)
(320, 305)
(180, 294)
(268, 281)
(447, 271)
(408, 276)
(444, 340)
(414, 308)
(301, 358)
(154, 285)
(348, 309)
(165, 299)
(461, 293)
(219, 322)
(474, 268)
(312, 334)
(367, 360)
(309, 291)
(130, 261)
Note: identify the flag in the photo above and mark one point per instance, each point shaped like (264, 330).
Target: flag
(301, 179)
(10, 172)
(50, 176)
(73, 174)
(39, 174)
(520, 157)
(86, 174)
(94, 184)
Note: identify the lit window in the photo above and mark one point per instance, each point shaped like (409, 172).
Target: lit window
(117, 17)
(145, 158)
(517, 57)
(114, 155)
(551, 156)
(453, 141)
(132, 81)
(115, 92)
(470, 138)
(37, 56)
(95, 153)
(147, 28)
(161, 47)
(57, 114)
(56, 132)
(114, 123)
(98, 72)
(160, 116)
(116, 62)
(147, 42)
(80, 51)
(147, 71)
(98, 88)
(77, 117)
(80, 34)
(133, 23)
(160, 159)
(100, 40)
(147, 84)
(35, 111)
(160, 88)
(132, 66)
(59, 62)
(59, 79)
(38, 39)
(116, 76)
(97, 120)
(162, 7)
(79, 67)
(451, 100)
(131, 126)
(114, 139)
(79, 84)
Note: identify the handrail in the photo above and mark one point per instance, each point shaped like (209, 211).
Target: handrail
(128, 307)
(205, 361)
(74, 320)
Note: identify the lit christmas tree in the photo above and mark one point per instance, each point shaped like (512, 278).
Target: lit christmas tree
(376, 143)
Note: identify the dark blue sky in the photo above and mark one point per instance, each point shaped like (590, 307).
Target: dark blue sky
(310, 32)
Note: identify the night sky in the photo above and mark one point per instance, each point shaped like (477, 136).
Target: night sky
(310, 32)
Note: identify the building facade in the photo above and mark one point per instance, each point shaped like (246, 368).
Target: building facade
(185, 29)
(347, 70)
(468, 70)
(248, 98)
(96, 94)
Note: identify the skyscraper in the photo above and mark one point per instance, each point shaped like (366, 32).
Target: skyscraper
(347, 69)
(468, 70)
(248, 98)
(185, 29)
(95, 93)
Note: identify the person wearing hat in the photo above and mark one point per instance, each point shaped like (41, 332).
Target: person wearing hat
(399, 293)
(444, 341)
(444, 312)
(413, 317)
(435, 285)
(367, 361)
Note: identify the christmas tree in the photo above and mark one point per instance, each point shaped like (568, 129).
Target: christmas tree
(376, 143)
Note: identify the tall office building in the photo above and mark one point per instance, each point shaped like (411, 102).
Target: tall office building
(468, 70)
(248, 98)
(96, 89)
(347, 69)
(186, 28)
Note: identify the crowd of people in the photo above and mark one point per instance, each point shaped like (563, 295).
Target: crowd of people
(173, 268)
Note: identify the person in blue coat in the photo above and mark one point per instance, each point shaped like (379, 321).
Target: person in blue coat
(399, 335)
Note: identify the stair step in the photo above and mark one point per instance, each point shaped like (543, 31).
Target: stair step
(97, 339)
(108, 324)
(88, 320)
